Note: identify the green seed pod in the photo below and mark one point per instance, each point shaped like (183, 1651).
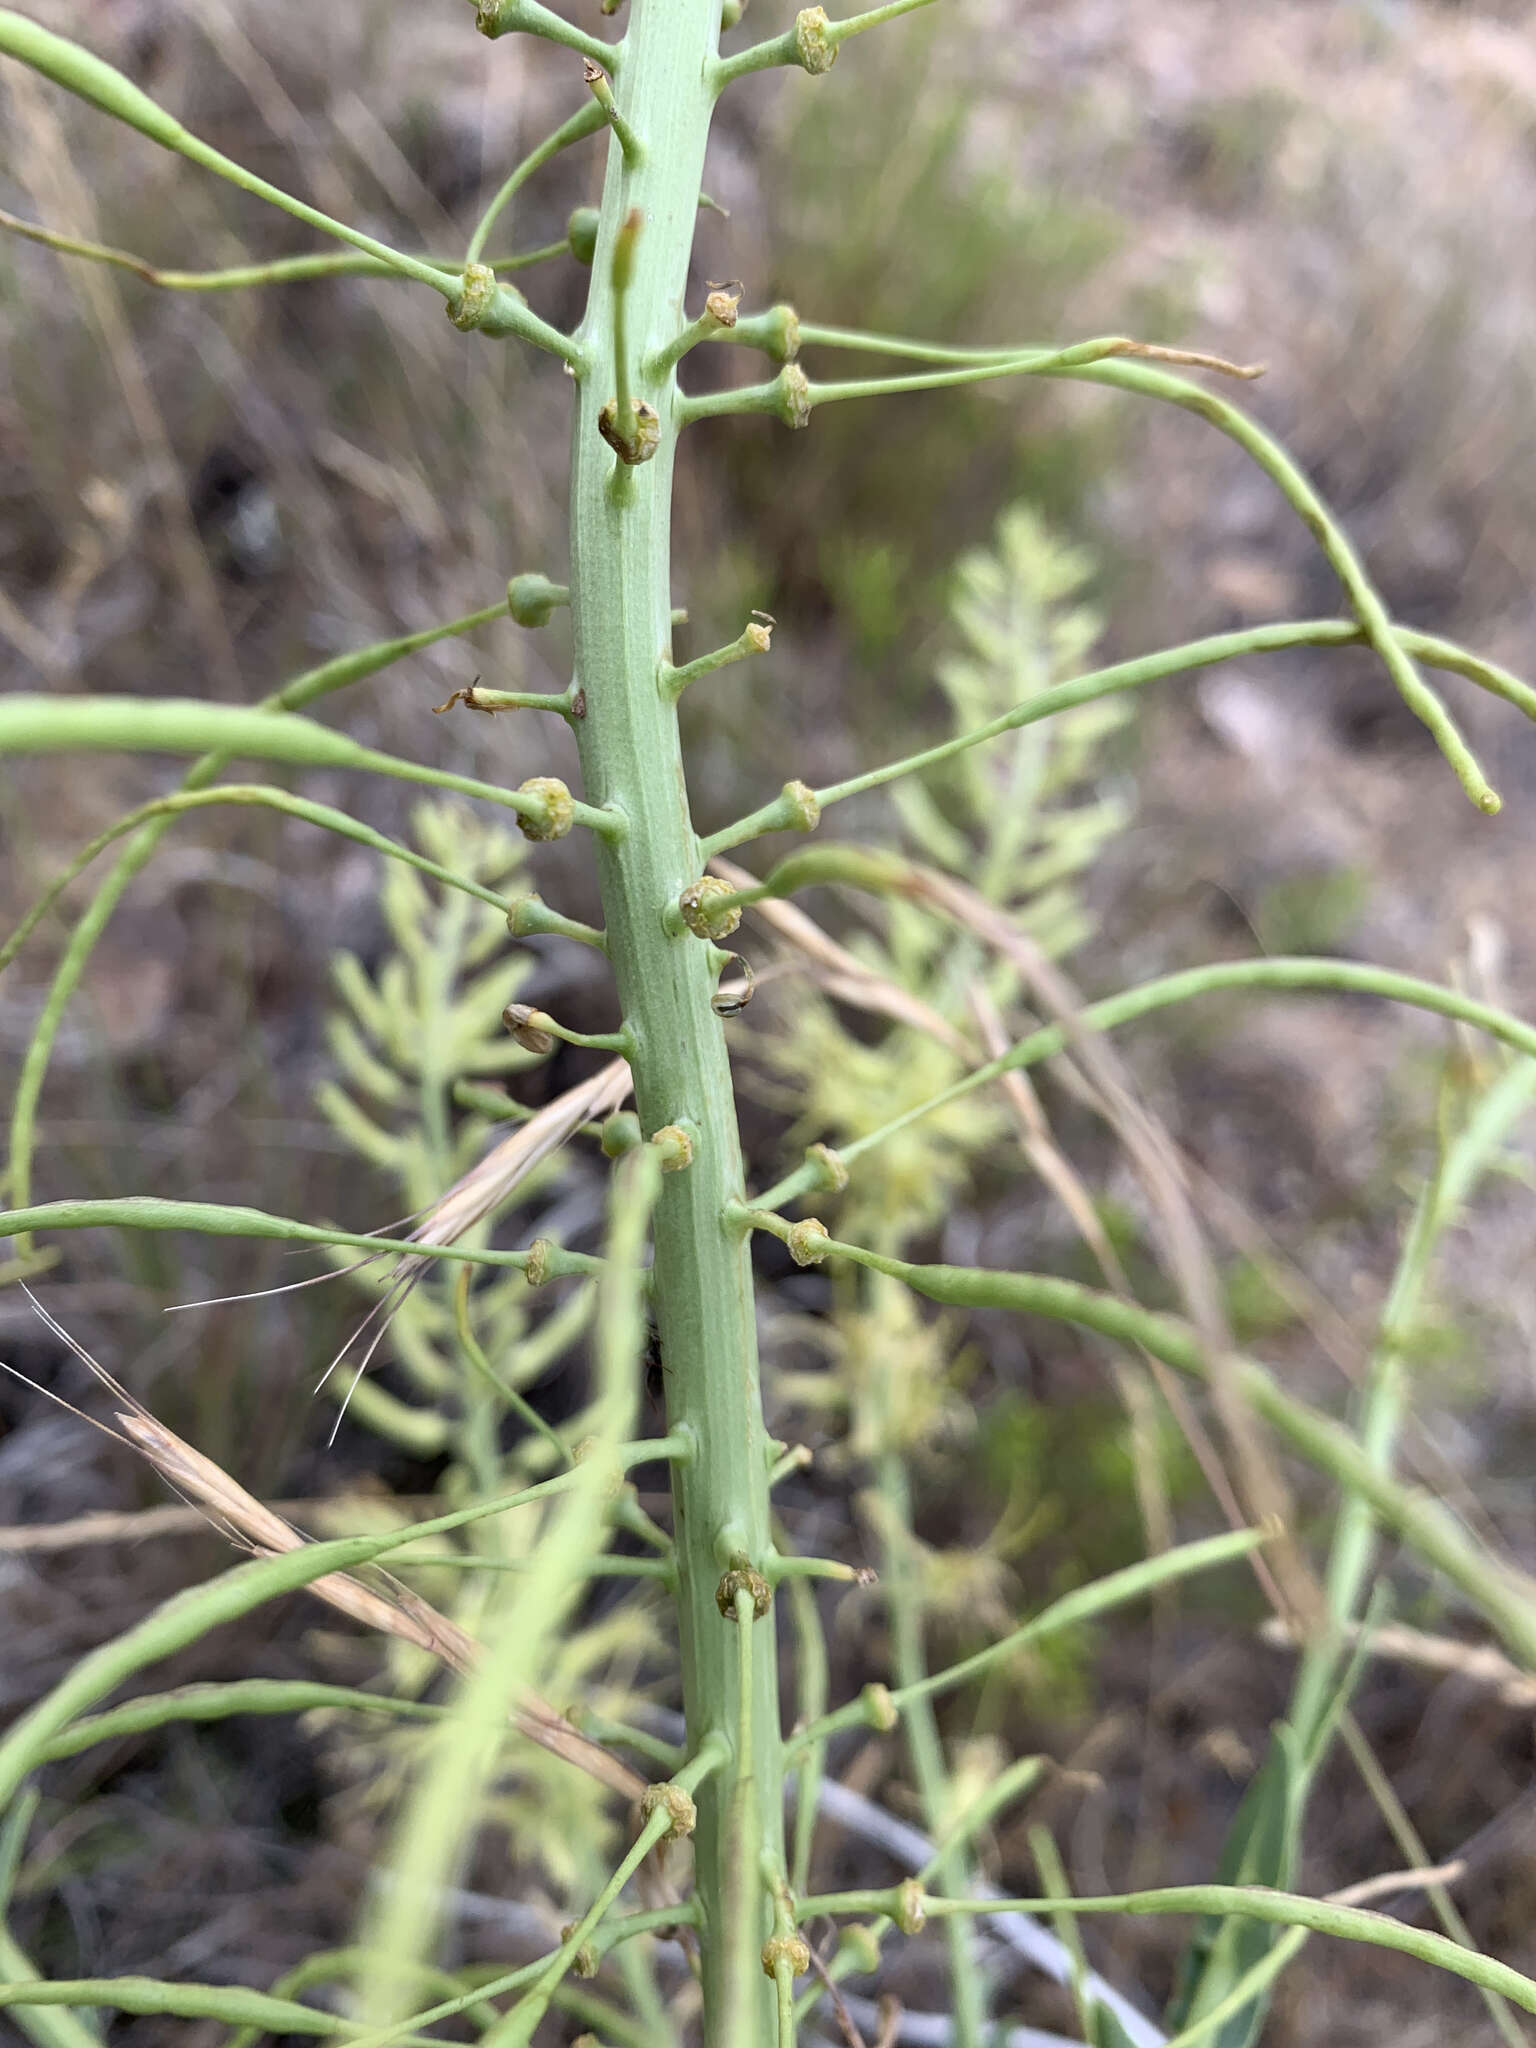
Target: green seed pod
(794, 396)
(642, 444)
(555, 813)
(621, 1133)
(531, 599)
(581, 233)
(814, 44)
(701, 920)
(793, 1949)
(807, 1241)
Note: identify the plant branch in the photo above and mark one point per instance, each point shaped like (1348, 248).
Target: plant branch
(251, 795)
(812, 44)
(187, 725)
(585, 121)
(1282, 1909)
(281, 270)
(1130, 675)
(1504, 1595)
(1343, 976)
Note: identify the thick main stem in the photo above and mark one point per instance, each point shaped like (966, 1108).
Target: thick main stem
(621, 604)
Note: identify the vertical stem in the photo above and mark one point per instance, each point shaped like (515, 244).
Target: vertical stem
(621, 604)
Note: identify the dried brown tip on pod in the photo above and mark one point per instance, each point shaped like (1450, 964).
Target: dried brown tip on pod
(525, 1026)
(721, 305)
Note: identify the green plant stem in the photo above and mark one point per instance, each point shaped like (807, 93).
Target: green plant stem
(256, 795)
(240, 276)
(967, 1985)
(585, 121)
(1385, 1394)
(780, 816)
(874, 1706)
(1505, 1596)
(1345, 977)
(151, 1212)
(91, 79)
(621, 606)
(232, 2003)
(787, 49)
(1282, 1909)
(308, 688)
(218, 1702)
(1090, 361)
(177, 725)
(529, 17)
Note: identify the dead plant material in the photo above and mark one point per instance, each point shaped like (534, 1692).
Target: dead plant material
(389, 1607)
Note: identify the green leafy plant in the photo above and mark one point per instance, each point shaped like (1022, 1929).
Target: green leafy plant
(1002, 816)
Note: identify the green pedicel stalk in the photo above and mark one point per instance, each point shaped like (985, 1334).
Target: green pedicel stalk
(621, 605)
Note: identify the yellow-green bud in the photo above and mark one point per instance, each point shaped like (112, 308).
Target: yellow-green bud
(911, 1914)
(554, 814)
(831, 1171)
(675, 1146)
(800, 801)
(807, 1241)
(814, 44)
(879, 1707)
(474, 299)
(742, 1579)
(794, 393)
(786, 1948)
(682, 1814)
(701, 920)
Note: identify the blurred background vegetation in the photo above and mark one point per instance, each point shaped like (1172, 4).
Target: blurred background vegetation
(204, 494)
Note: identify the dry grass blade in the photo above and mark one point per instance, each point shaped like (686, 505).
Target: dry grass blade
(394, 1610)
(1156, 1162)
(1479, 1663)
